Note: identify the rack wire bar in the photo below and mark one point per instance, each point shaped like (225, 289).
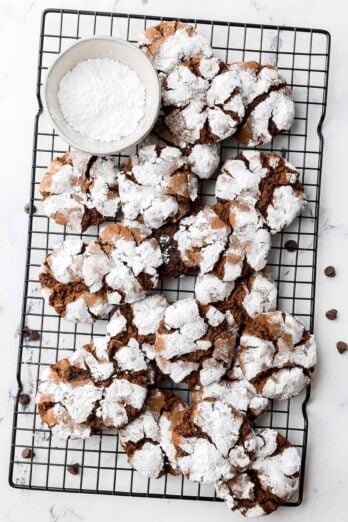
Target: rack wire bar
(302, 55)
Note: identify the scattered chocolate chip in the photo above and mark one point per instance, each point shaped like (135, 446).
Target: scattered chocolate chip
(331, 314)
(28, 207)
(341, 346)
(31, 335)
(291, 245)
(27, 453)
(24, 399)
(74, 469)
(330, 271)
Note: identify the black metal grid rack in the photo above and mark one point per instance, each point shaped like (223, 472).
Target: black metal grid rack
(303, 57)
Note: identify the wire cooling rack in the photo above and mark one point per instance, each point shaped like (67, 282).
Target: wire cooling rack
(303, 58)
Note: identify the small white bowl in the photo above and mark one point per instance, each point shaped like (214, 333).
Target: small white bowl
(114, 49)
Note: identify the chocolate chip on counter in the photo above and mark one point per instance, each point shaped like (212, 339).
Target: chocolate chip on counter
(74, 469)
(341, 346)
(291, 245)
(31, 335)
(27, 208)
(24, 399)
(331, 314)
(330, 271)
(27, 453)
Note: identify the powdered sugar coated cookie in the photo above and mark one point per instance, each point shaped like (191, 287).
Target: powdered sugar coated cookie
(268, 101)
(277, 355)
(169, 43)
(157, 185)
(79, 395)
(147, 440)
(193, 345)
(62, 282)
(236, 391)
(248, 297)
(266, 181)
(105, 383)
(201, 239)
(79, 190)
(203, 158)
(202, 100)
(83, 282)
(213, 441)
(249, 243)
(273, 477)
(123, 262)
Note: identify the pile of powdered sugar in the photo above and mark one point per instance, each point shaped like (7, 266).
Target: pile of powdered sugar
(102, 99)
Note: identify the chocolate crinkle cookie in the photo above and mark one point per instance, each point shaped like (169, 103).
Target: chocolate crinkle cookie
(68, 397)
(174, 264)
(229, 240)
(83, 282)
(147, 440)
(249, 244)
(203, 158)
(193, 344)
(277, 355)
(213, 441)
(123, 262)
(201, 238)
(169, 43)
(79, 190)
(267, 182)
(234, 390)
(131, 335)
(81, 394)
(157, 185)
(272, 478)
(202, 100)
(62, 282)
(104, 384)
(268, 100)
(241, 300)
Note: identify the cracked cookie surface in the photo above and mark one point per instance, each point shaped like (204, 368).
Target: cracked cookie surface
(268, 100)
(84, 282)
(201, 238)
(202, 100)
(277, 355)
(213, 441)
(123, 262)
(234, 390)
(104, 384)
(157, 185)
(193, 344)
(267, 182)
(203, 158)
(79, 190)
(169, 43)
(271, 480)
(62, 282)
(147, 440)
(239, 301)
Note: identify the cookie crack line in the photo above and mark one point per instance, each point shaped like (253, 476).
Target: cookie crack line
(259, 99)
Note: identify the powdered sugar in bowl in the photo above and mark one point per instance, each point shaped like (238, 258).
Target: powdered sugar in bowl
(102, 95)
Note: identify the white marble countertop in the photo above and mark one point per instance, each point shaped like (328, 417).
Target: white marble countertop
(326, 477)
